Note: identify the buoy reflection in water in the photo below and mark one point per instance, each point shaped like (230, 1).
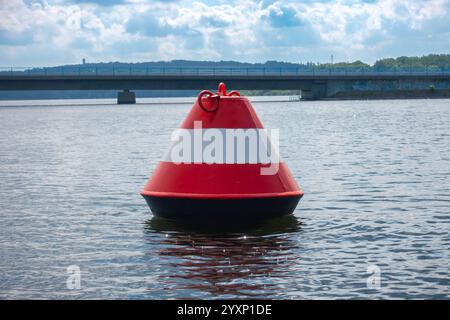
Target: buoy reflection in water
(218, 260)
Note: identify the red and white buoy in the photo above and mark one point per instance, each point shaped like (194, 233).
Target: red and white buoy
(215, 169)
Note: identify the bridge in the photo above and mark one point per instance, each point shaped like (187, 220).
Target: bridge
(314, 84)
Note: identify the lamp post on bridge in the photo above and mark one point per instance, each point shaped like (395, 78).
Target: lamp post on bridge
(331, 65)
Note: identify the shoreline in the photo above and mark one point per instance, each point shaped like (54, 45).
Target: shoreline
(391, 95)
(191, 100)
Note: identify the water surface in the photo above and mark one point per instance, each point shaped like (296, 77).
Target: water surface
(376, 176)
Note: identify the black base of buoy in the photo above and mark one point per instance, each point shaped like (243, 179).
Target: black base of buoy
(221, 209)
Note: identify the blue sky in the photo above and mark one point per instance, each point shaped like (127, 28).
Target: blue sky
(53, 32)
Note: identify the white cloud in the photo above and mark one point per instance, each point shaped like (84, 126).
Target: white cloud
(53, 32)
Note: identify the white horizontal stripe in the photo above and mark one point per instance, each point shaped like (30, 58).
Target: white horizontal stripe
(224, 146)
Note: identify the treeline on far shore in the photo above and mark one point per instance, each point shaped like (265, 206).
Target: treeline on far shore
(431, 62)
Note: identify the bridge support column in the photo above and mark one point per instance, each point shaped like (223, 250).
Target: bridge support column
(126, 97)
(315, 92)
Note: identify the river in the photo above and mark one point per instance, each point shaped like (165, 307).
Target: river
(376, 177)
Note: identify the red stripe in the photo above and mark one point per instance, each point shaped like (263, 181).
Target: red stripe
(219, 181)
(232, 113)
(220, 196)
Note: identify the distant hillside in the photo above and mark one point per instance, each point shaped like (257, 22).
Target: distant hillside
(431, 62)
(437, 62)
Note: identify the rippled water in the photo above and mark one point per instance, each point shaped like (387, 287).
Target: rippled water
(376, 176)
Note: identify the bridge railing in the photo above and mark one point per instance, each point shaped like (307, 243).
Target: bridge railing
(213, 71)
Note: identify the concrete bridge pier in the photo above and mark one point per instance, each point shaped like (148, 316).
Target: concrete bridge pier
(126, 97)
(314, 92)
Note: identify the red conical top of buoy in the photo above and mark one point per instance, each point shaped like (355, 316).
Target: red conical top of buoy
(221, 164)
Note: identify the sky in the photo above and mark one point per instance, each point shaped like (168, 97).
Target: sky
(55, 32)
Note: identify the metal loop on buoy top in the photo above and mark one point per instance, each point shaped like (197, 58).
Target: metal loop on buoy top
(221, 92)
(208, 94)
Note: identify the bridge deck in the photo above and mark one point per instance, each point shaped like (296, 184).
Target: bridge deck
(14, 81)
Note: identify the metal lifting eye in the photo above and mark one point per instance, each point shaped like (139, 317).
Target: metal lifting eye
(221, 92)
(205, 94)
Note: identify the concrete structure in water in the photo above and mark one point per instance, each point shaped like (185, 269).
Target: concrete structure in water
(126, 97)
(312, 85)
